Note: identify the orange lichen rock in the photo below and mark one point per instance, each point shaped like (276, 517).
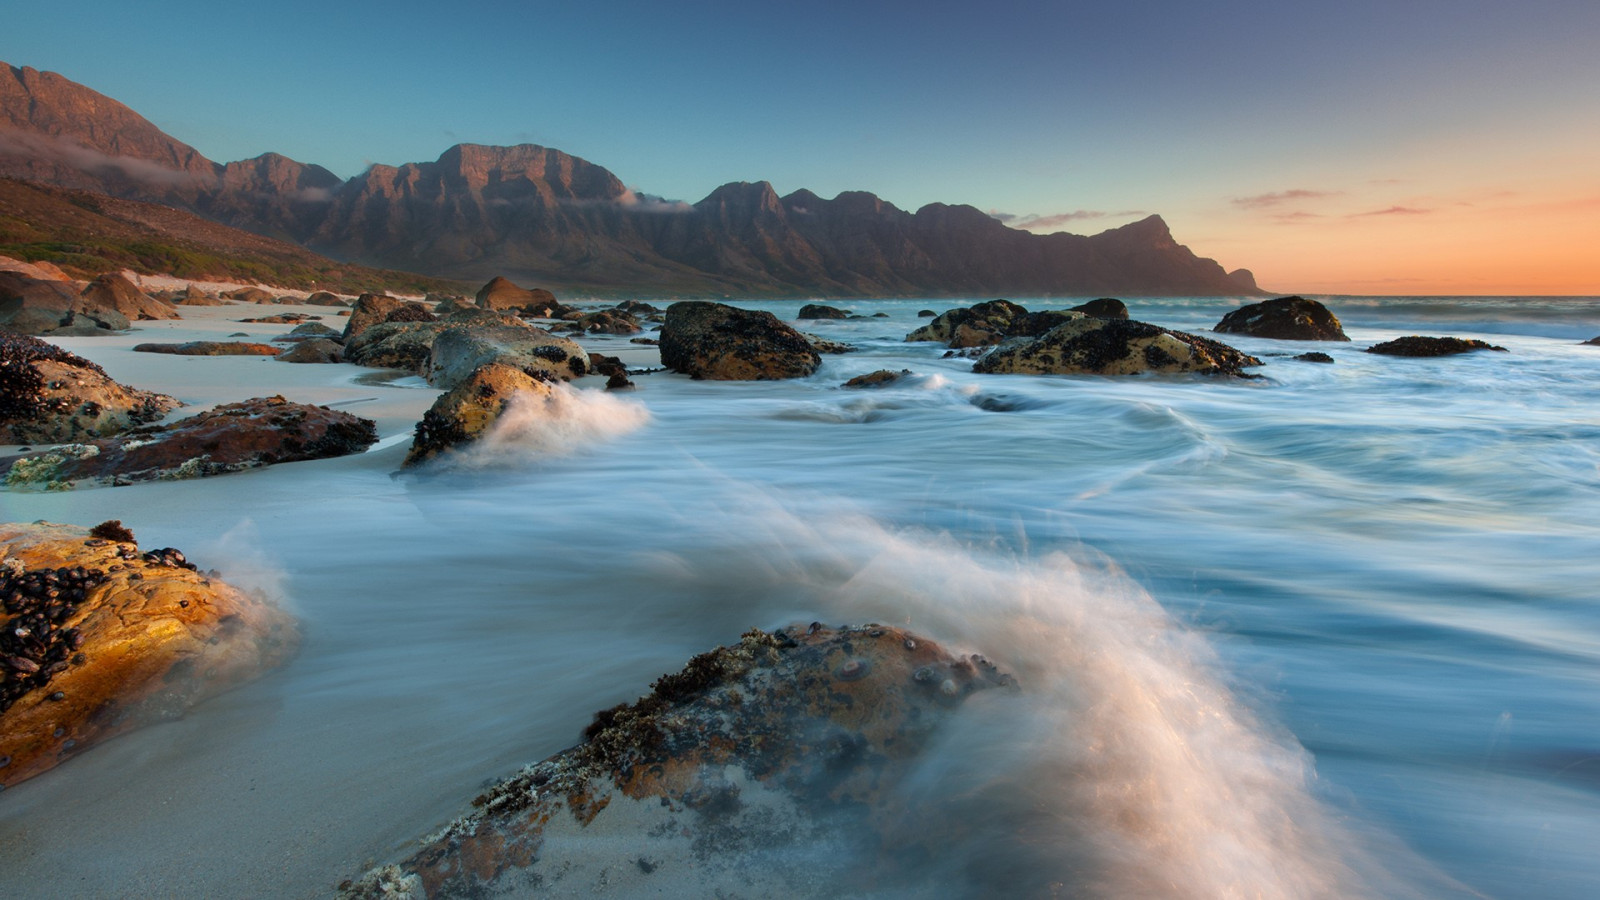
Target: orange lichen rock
(771, 767)
(97, 638)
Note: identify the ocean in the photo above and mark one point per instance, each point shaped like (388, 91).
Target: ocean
(1330, 632)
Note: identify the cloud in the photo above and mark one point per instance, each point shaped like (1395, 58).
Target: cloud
(1391, 211)
(1056, 220)
(1261, 201)
(87, 159)
(1295, 218)
(635, 201)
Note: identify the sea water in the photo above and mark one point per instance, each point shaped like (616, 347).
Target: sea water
(1330, 632)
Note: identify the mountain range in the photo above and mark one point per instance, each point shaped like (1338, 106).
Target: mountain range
(541, 216)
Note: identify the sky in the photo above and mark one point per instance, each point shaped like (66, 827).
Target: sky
(1363, 147)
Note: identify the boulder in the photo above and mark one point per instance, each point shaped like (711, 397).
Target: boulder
(878, 379)
(465, 413)
(370, 310)
(824, 345)
(987, 324)
(1415, 345)
(114, 291)
(308, 331)
(98, 639)
(324, 298)
(724, 343)
(50, 396)
(1103, 308)
(313, 350)
(636, 308)
(1594, 341)
(447, 305)
(610, 321)
(1090, 346)
(502, 294)
(1314, 357)
(459, 350)
(250, 295)
(229, 438)
(209, 348)
(37, 306)
(194, 296)
(820, 311)
(1286, 319)
(784, 765)
(926, 314)
(281, 319)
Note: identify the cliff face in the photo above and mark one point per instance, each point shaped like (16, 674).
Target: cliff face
(543, 216)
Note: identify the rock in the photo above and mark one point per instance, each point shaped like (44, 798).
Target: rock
(1414, 345)
(457, 351)
(308, 331)
(926, 314)
(1594, 341)
(281, 319)
(1315, 357)
(114, 649)
(50, 396)
(324, 298)
(313, 350)
(724, 343)
(648, 342)
(1104, 308)
(229, 438)
(636, 308)
(502, 294)
(209, 348)
(819, 311)
(465, 413)
(38, 306)
(250, 295)
(448, 305)
(780, 766)
(1091, 346)
(410, 312)
(114, 291)
(370, 310)
(824, 345)
(989, 323)
(193, 296)
(878, 379)
(610, 321)
(1286, 319)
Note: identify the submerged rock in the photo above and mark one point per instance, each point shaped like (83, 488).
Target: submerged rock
(98, 639)
(1285, 319)
(773, 767)
(464, 414)
(878, 379)
(229, 438)
(1415, 345)
(724, 343)
(1091, 346)
(209, 348)
(50, 396)
(987, 324)
(1314, 357)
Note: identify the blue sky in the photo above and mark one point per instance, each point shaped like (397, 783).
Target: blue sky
(1263, 132)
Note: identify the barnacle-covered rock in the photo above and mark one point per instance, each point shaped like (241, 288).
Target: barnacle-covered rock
(48, 395)
(1091, 346)
(1416, 345)
(1286, 319)
(724, 343)
(771, 767)
(228, 438)
(987, 324)
(97, 638)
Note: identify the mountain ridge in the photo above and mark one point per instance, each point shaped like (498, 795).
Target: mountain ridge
(540, 215)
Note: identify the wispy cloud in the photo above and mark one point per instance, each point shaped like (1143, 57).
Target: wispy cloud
(1056, 220)
(1298, 217)
(64, 151)
(1391, 211)
(1262, 201)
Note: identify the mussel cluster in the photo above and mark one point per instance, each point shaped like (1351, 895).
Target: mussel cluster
(33, 645)
(170, 557)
